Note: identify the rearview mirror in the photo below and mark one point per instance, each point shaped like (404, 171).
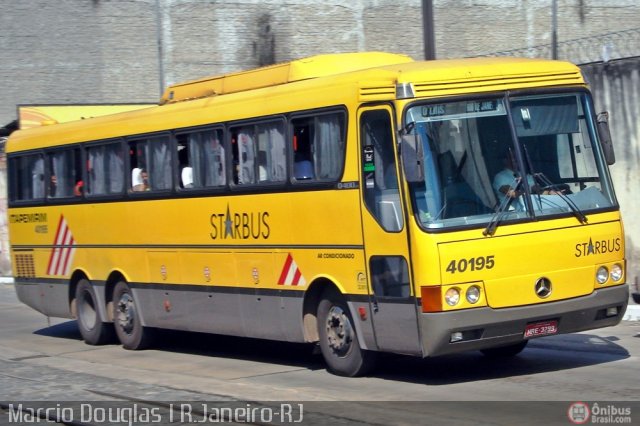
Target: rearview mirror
(605, 138)
(411, 155)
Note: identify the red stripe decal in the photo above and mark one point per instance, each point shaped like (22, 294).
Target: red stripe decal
(63, 252)
(285, 269)
(53, 252)
(296, 277)
(67, 257)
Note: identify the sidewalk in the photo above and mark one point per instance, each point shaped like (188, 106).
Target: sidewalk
(632, 314)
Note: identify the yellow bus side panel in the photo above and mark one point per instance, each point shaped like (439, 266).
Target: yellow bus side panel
(224, 241)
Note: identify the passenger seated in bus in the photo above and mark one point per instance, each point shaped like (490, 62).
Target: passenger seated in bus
(53, 186)
(505, 180)
(303, 170)
(187, 177)
(78, 188)
(139, 180)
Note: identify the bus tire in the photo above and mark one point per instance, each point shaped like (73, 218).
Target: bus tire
(93, 330)
(126, 319)
(505, 351)
(338, 339)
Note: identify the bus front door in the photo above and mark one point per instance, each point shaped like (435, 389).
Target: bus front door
(392, 304)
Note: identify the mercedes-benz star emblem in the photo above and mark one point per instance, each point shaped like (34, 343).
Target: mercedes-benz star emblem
(543, 287)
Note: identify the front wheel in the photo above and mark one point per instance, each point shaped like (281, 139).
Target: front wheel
(338, 339)
(126, 319)
(92, 329)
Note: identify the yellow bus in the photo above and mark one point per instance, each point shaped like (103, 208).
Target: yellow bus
(366, 202)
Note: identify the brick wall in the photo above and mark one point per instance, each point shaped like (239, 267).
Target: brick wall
(75, 51)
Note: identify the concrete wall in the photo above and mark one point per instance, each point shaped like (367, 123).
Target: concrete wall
(475, 27)
(5, 261)
(616, 88)
(74, 51)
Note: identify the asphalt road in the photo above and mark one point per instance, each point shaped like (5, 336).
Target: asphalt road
(48, 361)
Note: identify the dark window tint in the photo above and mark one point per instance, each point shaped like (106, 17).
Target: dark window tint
(318, 147)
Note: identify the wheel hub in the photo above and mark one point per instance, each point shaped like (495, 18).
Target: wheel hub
(339, 330)
(126, 313)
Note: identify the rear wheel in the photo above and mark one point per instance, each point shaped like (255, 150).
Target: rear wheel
(92, 329)
(338, 339)
(505, 351)
(126, 319)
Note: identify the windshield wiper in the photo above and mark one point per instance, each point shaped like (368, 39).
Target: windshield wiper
(502, 208)
(546, 183)
(574, 208)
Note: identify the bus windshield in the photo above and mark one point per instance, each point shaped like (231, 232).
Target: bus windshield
(473, 167)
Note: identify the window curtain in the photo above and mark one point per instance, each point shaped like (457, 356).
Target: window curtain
(278, 155)
(206, 156)
(216, 162)
(97, 176)
(37, 177)
(115, 168)
(272, 165)
(246, 156)
(63, 169)
(160, 163)
(328, 147)
(197, 159)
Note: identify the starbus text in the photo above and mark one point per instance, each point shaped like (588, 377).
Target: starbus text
(243, 226)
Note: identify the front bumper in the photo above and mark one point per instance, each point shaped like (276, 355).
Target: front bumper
(486, 327)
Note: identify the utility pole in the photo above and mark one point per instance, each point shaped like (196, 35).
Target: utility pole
(159, 36)
(554, 29)
(428, 30)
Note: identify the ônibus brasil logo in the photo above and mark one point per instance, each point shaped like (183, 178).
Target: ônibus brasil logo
(579, 413)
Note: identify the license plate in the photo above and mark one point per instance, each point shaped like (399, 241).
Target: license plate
(541, 329)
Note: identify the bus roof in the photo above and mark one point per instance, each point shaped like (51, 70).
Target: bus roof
(427, 76)
(355, 77)
(289, 72)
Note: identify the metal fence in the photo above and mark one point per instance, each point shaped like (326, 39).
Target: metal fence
(603, 47)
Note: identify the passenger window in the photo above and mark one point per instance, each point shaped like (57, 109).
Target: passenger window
(65, 174)
(105, 169)
(272, 159)
(29, 178)
(318, 147)
(243, 155)
(390, 276)
(201, 159)
(258, 153)
(379, 176)
(150, 164)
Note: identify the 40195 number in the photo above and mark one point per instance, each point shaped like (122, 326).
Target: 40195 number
(471, 264)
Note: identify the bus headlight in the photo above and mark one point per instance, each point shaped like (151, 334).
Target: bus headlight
(602, 275)
(452, 296)
(616, 272)
(473, 294)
